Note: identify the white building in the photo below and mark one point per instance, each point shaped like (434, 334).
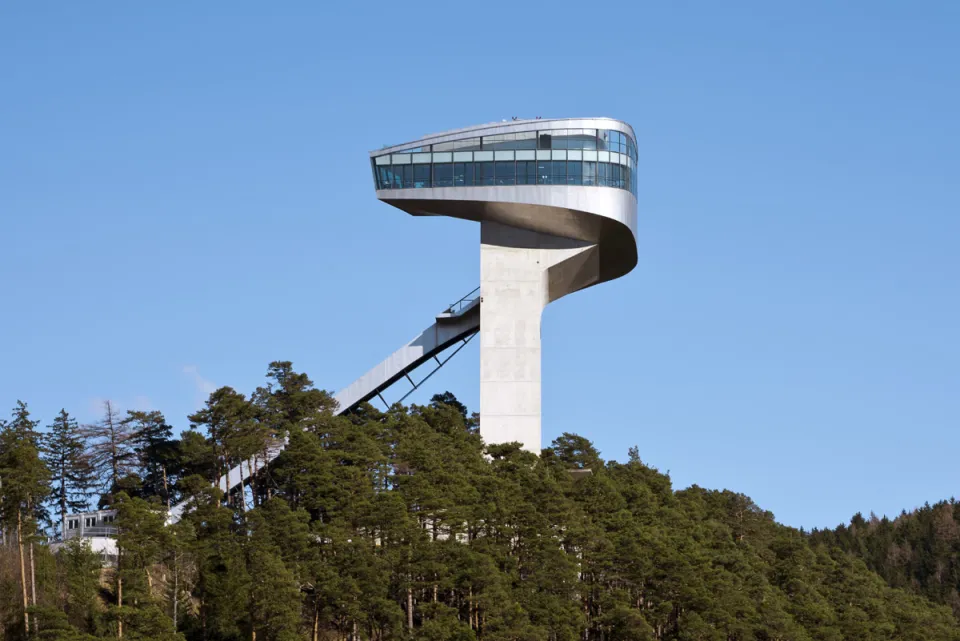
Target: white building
(97, 529)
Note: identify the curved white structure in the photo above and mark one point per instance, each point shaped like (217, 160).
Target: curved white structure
(556, 202)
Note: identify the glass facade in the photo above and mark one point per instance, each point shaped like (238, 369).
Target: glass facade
(592, 157)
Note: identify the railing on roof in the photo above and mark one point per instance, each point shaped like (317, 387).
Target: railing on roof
(94, 530)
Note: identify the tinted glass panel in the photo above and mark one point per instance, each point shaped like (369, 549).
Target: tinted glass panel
(589, 173)
(603, 173)
(421, 176)
(574, 172)
(484, 173)
(443, 175)
(461, 176)
(506, 174)
(544, 171)
(559, 172)
(527, 172)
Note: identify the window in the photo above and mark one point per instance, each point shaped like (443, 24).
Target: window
(526, 172)
(523, 140)
(443, 175)
(544, 172)
(589, 173)
(558, 139)
(73, 524)
(484, 173)
(470, 144)
(90, 521)
(108, 518)
(506, 173)
(559, 172)
(383, 172)
(603, 174)
(421, 176)
(563, 148)
(463, 174)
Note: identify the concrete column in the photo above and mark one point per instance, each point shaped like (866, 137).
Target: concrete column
(520, 272)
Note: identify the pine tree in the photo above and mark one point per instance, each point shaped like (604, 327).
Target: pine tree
(25, 486)
(79, 569)
(152, 440)
(229, 419)
(72, 473)
(142, 541)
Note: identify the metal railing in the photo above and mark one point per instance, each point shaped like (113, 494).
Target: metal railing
(95, 530)
(463, 303)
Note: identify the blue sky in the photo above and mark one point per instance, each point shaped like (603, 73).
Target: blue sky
(185, 196)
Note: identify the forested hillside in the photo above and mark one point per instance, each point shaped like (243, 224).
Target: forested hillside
(400, 525)
(918, 551)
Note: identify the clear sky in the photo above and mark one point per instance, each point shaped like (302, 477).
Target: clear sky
(185, 195)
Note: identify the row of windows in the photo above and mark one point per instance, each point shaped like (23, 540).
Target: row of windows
(529, 172)
(89, 521)
(521, 154)
(591, 139)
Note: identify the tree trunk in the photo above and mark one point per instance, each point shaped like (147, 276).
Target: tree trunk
(23, 574)
(63, 506)
(316, 621)
(410, 608)
(33, 589)
(114, 462)
(119, 601)
(176, 589)
(166, 489)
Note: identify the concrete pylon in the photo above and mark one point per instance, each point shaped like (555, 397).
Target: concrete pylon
(520, 272)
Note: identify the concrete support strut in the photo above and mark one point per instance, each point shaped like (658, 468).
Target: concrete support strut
(520, 272)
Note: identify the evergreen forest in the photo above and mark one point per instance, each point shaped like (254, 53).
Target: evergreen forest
(402, 525)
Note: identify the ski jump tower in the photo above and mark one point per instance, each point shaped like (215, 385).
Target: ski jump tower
(557, 207)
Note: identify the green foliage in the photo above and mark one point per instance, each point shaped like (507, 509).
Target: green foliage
(78, 569)
(72, 473)
(402, 525)
(25, 477)
(918, 551)
(152, 440)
